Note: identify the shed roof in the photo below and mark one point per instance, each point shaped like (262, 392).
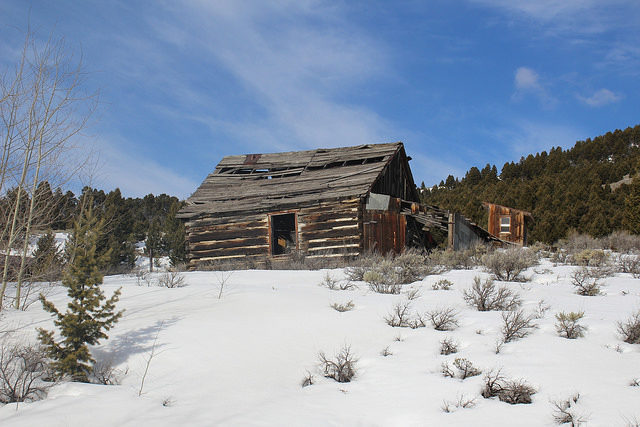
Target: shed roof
(261, 182)
(525, 213)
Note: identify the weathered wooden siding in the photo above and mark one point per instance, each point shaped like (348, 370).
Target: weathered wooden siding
(518, 232)
(462, 234)
(326, 229)
(330, 229)
(231, 238)
(396, 179)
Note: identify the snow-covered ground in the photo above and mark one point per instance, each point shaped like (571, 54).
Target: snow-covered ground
(239, 360)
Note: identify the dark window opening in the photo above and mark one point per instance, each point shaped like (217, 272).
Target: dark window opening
(283, 233)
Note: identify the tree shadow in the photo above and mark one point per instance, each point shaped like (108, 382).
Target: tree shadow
(119, 349)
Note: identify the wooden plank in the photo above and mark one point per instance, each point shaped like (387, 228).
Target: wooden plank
(232, 251)
(330, 233)
(334, 243)
(236, 233)
(326, 226)
(231, 243)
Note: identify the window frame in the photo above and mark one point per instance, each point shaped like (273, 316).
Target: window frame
(508, 224)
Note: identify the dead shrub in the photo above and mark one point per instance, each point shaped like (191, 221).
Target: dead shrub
(171, 279)
(508, 265)
(103, 372)
(486, 296)
(567, 324)
(342, 368)
(493, 383)
(585, 283)
(347, 306)
(443, 319)
(541, 309)
(142, 277)
(307, 380)
(335, 284)
(576, 242)
(635, 382)
(462, 402)
(24, 370)
(413, 294)
(448, 346)
(630, 329)
(399, 316)
(564, 411)
(516, 324)
(590, 258)
(516, 392)
(622, 241)
(629, 263)
(464, 367)
(386, 352)
(442, 285)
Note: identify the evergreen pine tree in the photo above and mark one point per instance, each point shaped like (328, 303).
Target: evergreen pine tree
(631, 214)
(174, 235)
(88, 315)
(47, 258)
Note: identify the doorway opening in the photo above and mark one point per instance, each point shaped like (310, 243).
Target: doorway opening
(283, 233)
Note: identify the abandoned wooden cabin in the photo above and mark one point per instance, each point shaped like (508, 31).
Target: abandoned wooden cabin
(322, 203)
(508, 224)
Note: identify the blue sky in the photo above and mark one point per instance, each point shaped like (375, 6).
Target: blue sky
(461, 83)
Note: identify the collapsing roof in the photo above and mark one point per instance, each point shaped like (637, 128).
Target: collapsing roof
(262, 182)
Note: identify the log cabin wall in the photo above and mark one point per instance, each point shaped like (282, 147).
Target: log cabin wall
(231, 238)
(330, 229)
(323, 230)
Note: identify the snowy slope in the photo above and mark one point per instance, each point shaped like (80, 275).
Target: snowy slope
(239, 360)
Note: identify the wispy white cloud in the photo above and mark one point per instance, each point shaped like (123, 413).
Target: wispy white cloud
(599, 98)
(527, 79)
(118, 164)
(527, 82)
(567, 16)
(296, 59)
(525, 137)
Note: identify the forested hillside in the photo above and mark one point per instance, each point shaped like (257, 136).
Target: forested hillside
(126, 221)
(564, 189)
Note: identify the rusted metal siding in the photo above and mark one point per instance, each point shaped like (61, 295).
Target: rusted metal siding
(384, 231)
(517, 233)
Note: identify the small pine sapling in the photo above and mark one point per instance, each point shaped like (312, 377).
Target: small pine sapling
(568, 325)
(88, 314)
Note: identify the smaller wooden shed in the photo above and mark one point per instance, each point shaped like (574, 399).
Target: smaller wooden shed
(507, 223)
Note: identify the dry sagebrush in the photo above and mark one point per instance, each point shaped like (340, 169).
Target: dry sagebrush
(630, 328)
(486, 296)
(508, 265)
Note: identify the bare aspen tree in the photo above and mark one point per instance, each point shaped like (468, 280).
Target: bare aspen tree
(43, 108)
